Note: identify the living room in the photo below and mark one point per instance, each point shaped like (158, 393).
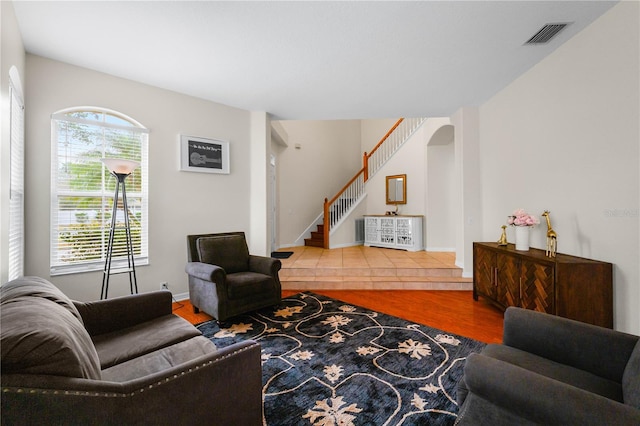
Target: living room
(562, 136)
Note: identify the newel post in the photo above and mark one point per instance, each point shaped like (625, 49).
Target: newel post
(365, 166)
(325, 227)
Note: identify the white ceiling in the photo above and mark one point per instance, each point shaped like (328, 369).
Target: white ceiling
(308, 60)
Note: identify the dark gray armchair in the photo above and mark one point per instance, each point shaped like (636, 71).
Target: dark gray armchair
(225, 280)
(552, 371)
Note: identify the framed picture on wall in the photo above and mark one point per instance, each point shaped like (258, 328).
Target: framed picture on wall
(204, 155)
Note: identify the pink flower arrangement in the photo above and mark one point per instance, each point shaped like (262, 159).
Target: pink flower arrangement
(522, 218)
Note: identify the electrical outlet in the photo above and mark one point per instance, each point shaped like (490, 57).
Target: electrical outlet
(164, 285)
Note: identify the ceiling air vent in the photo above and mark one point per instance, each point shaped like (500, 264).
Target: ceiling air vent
(546, 33)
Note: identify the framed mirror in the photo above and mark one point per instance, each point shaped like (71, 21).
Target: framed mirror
(397, 189)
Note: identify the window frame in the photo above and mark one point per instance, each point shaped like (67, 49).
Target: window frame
(105, 193)
(16, 240)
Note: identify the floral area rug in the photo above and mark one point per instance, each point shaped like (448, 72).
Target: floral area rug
(325, 362)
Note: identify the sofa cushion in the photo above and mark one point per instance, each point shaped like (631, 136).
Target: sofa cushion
(40, 336)
(160, 360)
(563, 373)
(247, 284)
(230, 252)
(631, 379)
(122, 345)
(37, 287)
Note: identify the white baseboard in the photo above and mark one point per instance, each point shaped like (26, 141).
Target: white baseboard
(286, 246)
(445, 249)
(181, 296)
(465, 273)
(357, 243)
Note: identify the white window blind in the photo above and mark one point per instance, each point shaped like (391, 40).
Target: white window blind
(16, 191)
(83, 190)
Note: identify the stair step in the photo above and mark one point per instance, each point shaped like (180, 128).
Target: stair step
(310, 278)
(313, 242)
(317, 235)
(317, 238)
(391, 273)
(300, 283)
(326, 278)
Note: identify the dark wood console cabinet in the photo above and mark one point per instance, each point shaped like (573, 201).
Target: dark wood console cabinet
(567, 286)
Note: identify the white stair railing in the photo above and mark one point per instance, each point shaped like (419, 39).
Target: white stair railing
(394, 140)
(345, 200)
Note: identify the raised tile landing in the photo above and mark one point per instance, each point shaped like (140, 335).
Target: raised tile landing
(370, 268)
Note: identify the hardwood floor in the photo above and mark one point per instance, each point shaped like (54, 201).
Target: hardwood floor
(448, 310)
(184, 309)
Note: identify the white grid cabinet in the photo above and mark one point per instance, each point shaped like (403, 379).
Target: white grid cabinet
(399, 232)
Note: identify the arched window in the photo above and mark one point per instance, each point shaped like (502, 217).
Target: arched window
(82, 189)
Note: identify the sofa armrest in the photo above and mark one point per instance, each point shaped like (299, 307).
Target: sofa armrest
(598, 350)
(222, 388)
(104, 316)
(264, 265)
(206, 272)
(499, 390)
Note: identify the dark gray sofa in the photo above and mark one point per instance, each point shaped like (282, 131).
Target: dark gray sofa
(126, 360)
(552, 371)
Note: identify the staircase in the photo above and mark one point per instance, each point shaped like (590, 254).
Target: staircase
(317, 238)
(336, 209)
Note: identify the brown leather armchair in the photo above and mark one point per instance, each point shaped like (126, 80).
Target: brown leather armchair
(225, 280)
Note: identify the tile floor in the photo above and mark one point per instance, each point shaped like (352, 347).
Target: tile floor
(370, 268)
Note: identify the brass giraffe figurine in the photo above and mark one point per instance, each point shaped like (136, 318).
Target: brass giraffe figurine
(552, 237)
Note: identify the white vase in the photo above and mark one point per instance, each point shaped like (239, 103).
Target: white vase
(522, 238)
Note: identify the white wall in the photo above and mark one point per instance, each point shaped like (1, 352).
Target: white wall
(344, 235)
(11, 55)
(372, 131)
(467, 185)
(180, 203)
(565, 137)
(260, 217)
(329, 155)
(409, 160)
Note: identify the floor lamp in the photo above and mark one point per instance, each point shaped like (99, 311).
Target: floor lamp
(120, 169)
